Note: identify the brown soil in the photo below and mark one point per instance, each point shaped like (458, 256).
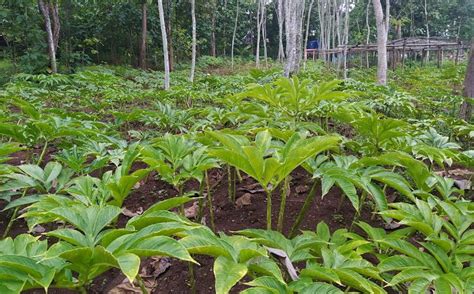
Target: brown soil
(336, 212)
(229, 218)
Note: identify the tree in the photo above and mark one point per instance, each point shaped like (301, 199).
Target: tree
(142, 56)
(193, 57)
(213, 28)
(165, 44)
(382, 24)
(49, 10)
(293, 28)
(466, 107)
(234, 33)
(308, 19)
(281, 50)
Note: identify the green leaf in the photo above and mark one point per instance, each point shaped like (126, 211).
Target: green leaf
(319, 287)
(227, 273)
(412, 275)
(129, 265)
(160, 245)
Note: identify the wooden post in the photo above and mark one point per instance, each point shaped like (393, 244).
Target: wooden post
(438, 56)
(422, 56)
(457, 54)
(394, 58)
(403, 51)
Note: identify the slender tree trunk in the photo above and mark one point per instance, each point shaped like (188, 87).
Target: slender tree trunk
(55, 25)
(165, 44)
(142, 57)
(425, 7)
(169, 34)
(382, 23)
(193, 58)
(49, 32)
(213, 29)
(466, 107)
(259, 26)
(367, 41)
(234, 33)
(264, 33)
(346, 35)
(307, 26)
(281, 50)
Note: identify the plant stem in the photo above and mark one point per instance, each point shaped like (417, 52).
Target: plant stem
(269, 208)
(341, 201)
(284, 194)
(201, 201)
(234, 184)
(237, 171)
(229, 182)
(192, 279)
(209, 202)
(180, 192)
(142, 285)
(15, 212)
(304, 210)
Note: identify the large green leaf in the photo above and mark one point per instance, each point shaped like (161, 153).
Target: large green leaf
(227, 273)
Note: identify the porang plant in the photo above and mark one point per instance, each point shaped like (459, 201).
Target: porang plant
(268, 163)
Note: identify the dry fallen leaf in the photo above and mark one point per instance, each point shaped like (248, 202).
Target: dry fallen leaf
(149, 274)
(192, 211)
(244, 200)
(463, 184)
(392, 225)
(130, 213)
(301, 189)
(38, 229)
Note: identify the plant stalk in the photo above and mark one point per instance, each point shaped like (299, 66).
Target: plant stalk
(269, 208)
(284, 194)
(209, 203)
(141, 283)
(192, 279)
(201, 201)
(304, 210)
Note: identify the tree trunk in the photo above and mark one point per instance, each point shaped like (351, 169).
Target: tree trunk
(213, 29)
(307, 26)
(169, 33)
(165, 44)
(55, 25)
(193, 58)
(44, 7)
(259, 26)
(382, 23)
(142, 57)
(281, 50)
(264, 33)
(466, 107)
(234, 33)
(293, 27)
(346, 35)
(425, 6)
(367, 41)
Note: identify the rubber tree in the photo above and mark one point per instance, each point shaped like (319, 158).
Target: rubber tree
(193, 57)
(142, 53)
(281, 50)
(466, 107)
(382, 23)
(165, 44)
(294, 30)
(50, 12)
(234, 32)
